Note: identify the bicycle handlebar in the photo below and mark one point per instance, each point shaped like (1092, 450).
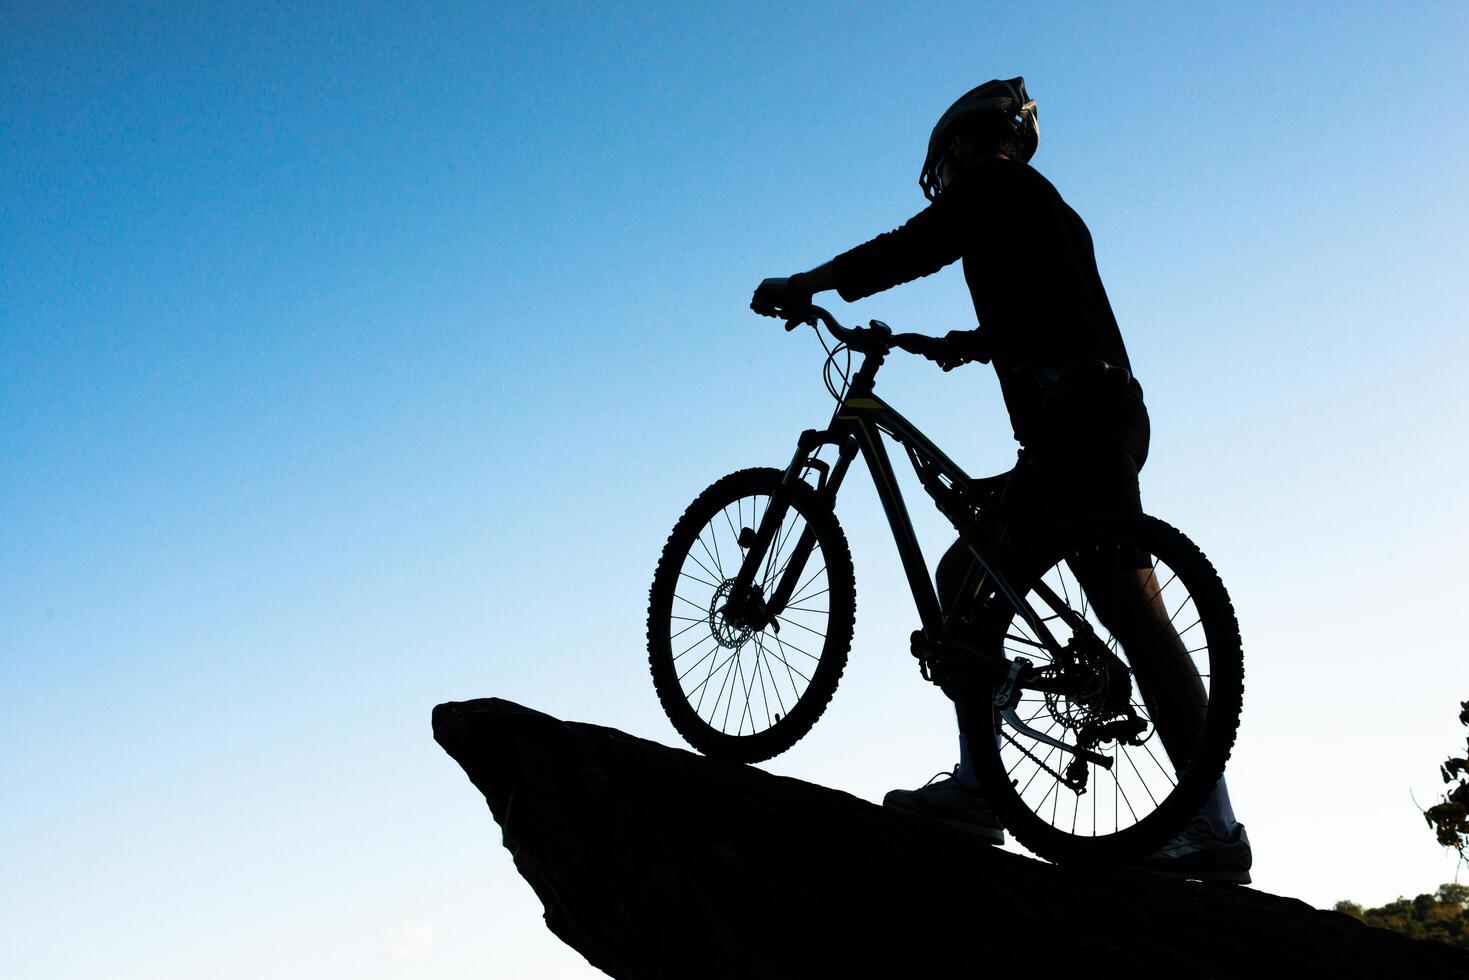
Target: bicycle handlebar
(875, 339)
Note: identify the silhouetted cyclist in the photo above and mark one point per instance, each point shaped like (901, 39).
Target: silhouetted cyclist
(1046, 324)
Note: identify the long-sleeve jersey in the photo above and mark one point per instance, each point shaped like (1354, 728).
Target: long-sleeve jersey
(1030, 267)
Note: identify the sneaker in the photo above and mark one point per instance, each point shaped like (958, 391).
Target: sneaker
(945, 798)
(1199, 853)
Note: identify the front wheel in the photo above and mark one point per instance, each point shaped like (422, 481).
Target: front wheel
(734, 691)
(1145, 673)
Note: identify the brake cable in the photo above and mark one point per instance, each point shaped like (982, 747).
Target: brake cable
(844, 372)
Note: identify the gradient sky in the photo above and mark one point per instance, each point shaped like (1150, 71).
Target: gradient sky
(355, 361)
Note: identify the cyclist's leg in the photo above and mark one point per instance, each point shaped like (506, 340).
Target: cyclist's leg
(1089, 468)
(953, 576)
(1125, 597)
(958, 578)
(959, 800)
(950, 576)
(1166, 675)
(1098, 470)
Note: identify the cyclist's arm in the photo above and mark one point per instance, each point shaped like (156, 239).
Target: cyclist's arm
(926, 243)
(818, 280)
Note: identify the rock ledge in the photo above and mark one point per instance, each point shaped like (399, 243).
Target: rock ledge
(654, 862)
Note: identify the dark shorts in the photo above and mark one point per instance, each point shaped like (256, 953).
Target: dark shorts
(1082, 452)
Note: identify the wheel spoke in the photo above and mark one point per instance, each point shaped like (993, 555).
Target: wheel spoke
(734, 661)
(785, 660)
(1117, 782)
(1186, 600)
(1161, 768)
(1082, 592)
(820, 636)
(712, 653)
(714, 536)
(1046, 761)
(702, 639)
(777, 546)
(703, 609)
(791, 673)
(733, 531)
(745, 711)
(707, 570)
(814, 595)
(697, 579)
(787, 643)
(1146, 789)
(718, 571)
(692, 624)
(703, 686)
(1055, 786)
(774, 687)
(760, 678)
(776, 578)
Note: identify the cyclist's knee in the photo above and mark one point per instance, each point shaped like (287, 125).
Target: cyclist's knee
(952, 569)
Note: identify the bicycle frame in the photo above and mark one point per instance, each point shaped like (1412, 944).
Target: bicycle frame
(858, 423)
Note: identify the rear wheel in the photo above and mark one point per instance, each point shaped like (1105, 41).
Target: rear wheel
(1148, 677)
(732, 689)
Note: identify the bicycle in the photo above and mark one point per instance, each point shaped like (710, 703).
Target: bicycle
(1067, 649)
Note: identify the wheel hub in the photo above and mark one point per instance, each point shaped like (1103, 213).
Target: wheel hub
(729, 621)
(1099, 686)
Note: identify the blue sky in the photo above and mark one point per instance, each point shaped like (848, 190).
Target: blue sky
(352, 361)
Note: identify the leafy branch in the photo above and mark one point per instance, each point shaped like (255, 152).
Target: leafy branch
(1450, 817)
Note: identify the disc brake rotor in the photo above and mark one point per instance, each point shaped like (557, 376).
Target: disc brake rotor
(727, 633)
(1099, 708)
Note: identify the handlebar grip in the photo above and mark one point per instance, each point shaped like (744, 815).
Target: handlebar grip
(916, 343)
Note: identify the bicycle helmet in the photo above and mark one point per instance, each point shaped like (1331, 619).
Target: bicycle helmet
(1007, 99)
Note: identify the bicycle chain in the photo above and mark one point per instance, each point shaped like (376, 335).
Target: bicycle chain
(1011, 739)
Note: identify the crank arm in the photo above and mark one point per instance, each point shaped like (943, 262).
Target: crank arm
(1013, 720)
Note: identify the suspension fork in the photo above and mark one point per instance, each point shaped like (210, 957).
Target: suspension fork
(830, 480)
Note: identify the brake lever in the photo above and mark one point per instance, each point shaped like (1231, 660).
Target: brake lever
(794, 322)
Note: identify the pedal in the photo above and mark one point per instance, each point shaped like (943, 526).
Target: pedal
(1076, 773)
(947, 665)
(922, 650)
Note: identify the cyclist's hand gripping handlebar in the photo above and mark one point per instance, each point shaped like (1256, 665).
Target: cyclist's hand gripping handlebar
(948, 352)
(924, 346)
(782, 298)
(774, 298)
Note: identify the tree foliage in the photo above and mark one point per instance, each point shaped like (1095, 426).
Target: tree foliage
(1450, 817)
(1443, 916)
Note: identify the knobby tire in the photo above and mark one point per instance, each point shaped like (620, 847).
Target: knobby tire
(685, 540)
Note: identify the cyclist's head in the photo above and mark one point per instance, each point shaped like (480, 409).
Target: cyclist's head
(996, 117)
